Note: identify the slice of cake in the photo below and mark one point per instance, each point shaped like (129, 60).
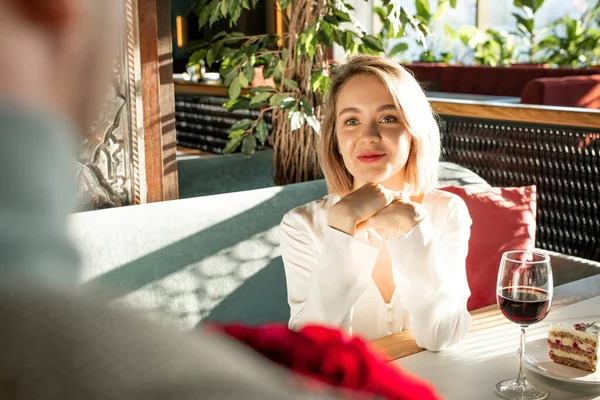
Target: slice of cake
(574, 346)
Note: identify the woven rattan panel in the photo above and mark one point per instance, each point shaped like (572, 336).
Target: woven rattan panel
(564, 164)
(203, 123)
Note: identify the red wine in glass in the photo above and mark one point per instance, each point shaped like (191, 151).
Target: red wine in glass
(524, 293)
(524, 305)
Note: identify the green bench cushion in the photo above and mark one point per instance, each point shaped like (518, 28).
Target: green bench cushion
(212, 258)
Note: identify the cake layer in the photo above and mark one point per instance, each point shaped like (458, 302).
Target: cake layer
(577, 357)
(586, 366)
(573, 350)
(570, 342)
(570, 335)
(564, 330)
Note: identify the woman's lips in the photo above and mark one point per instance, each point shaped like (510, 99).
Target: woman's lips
(368, 158)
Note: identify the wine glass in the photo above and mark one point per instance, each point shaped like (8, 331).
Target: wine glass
(524, 295)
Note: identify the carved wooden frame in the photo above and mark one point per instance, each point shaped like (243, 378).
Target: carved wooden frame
(109, 164)
(130, 156)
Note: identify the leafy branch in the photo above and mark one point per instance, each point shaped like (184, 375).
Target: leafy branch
(298, 70)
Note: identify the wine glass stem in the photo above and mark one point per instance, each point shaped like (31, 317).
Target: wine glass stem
(521, 379)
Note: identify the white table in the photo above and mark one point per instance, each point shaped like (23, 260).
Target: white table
(471, 369)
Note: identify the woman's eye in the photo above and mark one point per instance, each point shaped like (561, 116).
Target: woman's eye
(351, 121)
(389, 119)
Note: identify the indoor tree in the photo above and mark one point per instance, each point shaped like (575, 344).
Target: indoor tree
(387, 34)
(299, 64)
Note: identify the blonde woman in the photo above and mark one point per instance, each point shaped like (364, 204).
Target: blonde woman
(384, 251)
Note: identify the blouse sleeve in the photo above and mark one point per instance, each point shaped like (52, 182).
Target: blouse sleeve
(432, 282)
(323, 287)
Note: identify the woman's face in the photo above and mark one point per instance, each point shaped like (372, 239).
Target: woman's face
(372, 139)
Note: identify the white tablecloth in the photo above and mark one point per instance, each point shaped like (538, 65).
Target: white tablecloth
(471, 369)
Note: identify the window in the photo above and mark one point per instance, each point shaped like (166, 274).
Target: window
(501, 18)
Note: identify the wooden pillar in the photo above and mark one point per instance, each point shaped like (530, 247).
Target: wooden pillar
(158, 99)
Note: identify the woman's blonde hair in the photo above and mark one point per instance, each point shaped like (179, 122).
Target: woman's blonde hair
(421, 168)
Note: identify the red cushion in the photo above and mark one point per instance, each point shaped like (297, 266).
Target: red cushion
(533, 92)
(503, 220)
(449, 77)
(508, 82)
(488, 81)
(499, 81)
(571, 91)
(424, 73)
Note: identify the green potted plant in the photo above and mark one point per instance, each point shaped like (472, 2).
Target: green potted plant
(425, 39)
(468, 36)
(573, 42)
(495, 49)
(525, 16)
(299, 69)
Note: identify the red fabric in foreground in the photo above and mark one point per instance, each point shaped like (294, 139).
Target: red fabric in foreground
(503, 220)
(331, 357)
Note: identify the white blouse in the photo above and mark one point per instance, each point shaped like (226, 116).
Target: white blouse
(329, 279)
